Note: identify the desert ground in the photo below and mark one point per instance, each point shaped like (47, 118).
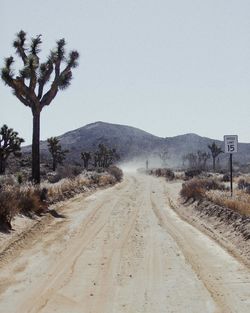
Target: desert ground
(121, 250)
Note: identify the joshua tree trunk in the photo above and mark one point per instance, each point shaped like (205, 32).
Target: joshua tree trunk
(214, 164)
(54, 165)
(2, 166)
(36, 148)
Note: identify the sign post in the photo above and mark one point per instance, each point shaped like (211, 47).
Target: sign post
(231, 147)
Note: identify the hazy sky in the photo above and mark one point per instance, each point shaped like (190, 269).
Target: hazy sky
(166, 66)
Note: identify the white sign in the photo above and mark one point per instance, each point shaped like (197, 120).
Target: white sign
(231, 143)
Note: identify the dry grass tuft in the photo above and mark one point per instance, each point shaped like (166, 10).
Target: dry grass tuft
(240, 202)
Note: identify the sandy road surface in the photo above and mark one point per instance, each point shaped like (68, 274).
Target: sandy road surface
(123, 250)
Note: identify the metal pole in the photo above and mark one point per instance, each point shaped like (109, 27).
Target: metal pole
(231, 173)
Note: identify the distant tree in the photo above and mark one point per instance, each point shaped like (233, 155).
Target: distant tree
(197, 160)
(55, 149)
(86, 157)
(10, 143)
(104, 156)
(215, 151)
(202, 158)
(164, 156)
(29, 85)
(192, 160)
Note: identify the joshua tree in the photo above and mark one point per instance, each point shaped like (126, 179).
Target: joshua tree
(197, 160)
(164, 156)
(58, 155)
(202, 158)
(215, 151)
(10, 143)
(86, 157)
(104, 157)
(29, 85)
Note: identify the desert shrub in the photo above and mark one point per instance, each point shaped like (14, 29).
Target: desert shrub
(192, 173)
(196, 188)
(29, 200)
(8, 207)
(19, 178)
(162, 172)
(239, 203)
(169, 174)
(116, 172)
(106, 179)
(225, 178)
(9, 180)
(243, 184)
(67, 171)
(192, 190)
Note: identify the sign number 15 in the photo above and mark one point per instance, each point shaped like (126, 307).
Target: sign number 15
(231, 143)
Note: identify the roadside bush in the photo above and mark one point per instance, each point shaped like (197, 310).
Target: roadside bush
(116, 172)
(192, 190)
(239, 203)
(9, 180)
(169, 174)
(67, 171)
(225, 178)
(163, 172)
(8, 207)
(189, 174)
(107, 179)
(243, 184)
(29, 201)
(195, 189)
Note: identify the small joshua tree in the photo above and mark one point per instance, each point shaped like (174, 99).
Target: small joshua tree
(86, 157)
(164, 156)
(104, 156)
(55, 149)
(215, 151)
(29, 85)
(10, 143)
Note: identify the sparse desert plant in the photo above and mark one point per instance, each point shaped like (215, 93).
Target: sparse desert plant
(163, 172)
(7, 180)
(31, 199)
(239, 203)
(8, 207)
(244, 184)
(192, 190)
(105, 180)
(19, 178)
(196, 189)
(225, 178)
(192, 173)
(10, 143)
(116, 172)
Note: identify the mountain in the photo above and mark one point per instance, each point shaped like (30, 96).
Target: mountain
(132, 143)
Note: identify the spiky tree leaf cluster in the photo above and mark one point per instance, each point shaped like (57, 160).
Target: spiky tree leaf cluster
(58, 155)
(29, 85)
(10, 143)
(215, 151)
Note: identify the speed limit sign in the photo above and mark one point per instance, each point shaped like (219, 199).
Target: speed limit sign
(231, 143)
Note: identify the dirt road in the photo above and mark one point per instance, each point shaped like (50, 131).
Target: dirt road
(122, 250)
